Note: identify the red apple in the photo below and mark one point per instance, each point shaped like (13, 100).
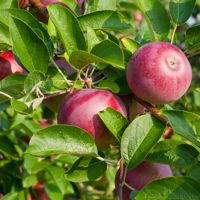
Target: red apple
(142, 175)
(8, 64)
(159, 73)
(40, 192)
(81, 109)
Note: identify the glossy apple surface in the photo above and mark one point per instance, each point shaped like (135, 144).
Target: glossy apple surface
(81, 109)
(8, 64)
(159, 73)
(142, 175)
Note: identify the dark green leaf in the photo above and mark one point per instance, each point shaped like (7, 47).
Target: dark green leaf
(156, 18)
(140, 136)
(110, 20)
(181, 10)
(109, 85)
(114, 121)
(30, 49)
(194, 172)
(179, 188)
(4, 34)
(86, 169)
(192, 41)
(68, 28)
(174, 153)
(53, 191)
(185, 124)
(61, 139)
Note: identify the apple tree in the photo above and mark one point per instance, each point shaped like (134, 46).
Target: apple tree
(99, 99)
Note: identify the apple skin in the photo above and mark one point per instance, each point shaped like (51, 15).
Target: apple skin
(142, 175)
(159, 73)
(81, 108)
(40, 192)
(8, 65)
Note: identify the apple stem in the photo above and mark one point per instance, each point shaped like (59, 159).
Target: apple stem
(156, 113)
(173, 34)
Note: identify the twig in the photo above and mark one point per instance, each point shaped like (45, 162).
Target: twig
(48, 96)
(113, 162)
(173, 34)
(122, 177)
(156, 113)
(75, 81)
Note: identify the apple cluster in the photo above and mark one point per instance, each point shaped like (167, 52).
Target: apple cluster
(157, 73)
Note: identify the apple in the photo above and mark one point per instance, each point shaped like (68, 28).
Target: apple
(132, 106)
(81, 108)
(8, 64)
(40, 192)
(142, 175)
(159, 73)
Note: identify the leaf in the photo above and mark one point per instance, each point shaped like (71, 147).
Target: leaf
(179, 188)
(10, 196)
(139, 137)
(192, 41)
(28, 19)
(92, 38)
(33, 165)
(12, 85)
(156, 18)
(185, 124)
(68, 28)
(28, 181)
(110, 85)
(30, 49)
(181, 10)
(174, 153)
(108, 19)
(130, 44)
(101, 5)
(114, 121)
(110, 52)
(61, 139)
(20, 107)
(194, 172)
(86, 169)
(57, 174)
(53, 191)
(4, 34)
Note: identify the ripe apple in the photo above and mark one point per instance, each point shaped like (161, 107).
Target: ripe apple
(81, 108)
(8, 64)
(133, 107)
(40, 192)
(142, 175)
(159, 73)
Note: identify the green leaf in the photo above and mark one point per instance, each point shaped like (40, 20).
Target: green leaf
(110, 52)
(194, 172)
(7, 147)
(174, 153)
(185, 124)
(114, 121)
(19, 106)
(53, 191)
(192, 41)
(109, 85)
(179, 188)
(108, 19)
(181, 10)
(140, 136)
(8, 4)
(61, 139)
(10, 196)
(101, 5)
(68, 28)
(92, 38)
(130, 44)
(12, 85)
(86, 169)
(28, 19)
(57, 174)
(30, 49)
(4, 34)
(156, 18)
(33, 165)
(28, 181)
